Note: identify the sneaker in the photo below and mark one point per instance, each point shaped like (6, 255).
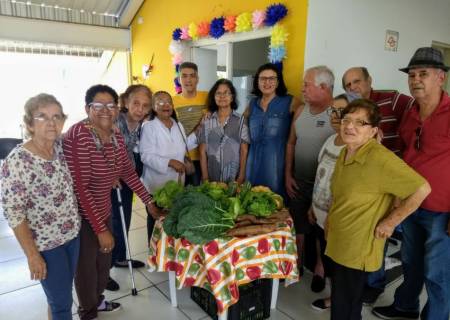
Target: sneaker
(321, 305)
(112, 285)
(109, 306)
(317, 283)
(370, 295)
(124, 264)
(390, 312)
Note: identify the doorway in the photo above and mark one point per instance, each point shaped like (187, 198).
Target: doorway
(233, 60)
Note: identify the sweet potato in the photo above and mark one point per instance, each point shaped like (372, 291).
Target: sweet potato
(252, 230)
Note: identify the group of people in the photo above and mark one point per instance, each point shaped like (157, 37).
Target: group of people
(351, 169)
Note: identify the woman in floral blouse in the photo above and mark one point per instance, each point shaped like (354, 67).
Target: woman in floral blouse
(40, 206)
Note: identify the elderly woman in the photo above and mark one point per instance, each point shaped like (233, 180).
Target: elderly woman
(98, 158)
(163, 146)
(40, 205)
(223, 139)
(269, 116)
(366, 180)
(135, 104)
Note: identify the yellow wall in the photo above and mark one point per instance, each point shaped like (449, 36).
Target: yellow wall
(162, 17)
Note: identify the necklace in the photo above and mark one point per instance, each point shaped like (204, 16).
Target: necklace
(112, 163)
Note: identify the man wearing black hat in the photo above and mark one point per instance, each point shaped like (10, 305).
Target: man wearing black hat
(425, 133)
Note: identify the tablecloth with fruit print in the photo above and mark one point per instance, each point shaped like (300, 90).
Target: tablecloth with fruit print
(220, 266)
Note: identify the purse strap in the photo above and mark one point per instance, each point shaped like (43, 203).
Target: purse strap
(184, 140)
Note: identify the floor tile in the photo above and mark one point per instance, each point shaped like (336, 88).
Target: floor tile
(154, 277)
(14, 275)
(5, 230)
(122, 276)
(148, 304)
(138, 241)
(32, 299)
(10, 249)
(137, 221)
(185, 302)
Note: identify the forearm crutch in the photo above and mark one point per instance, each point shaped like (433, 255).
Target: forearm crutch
(125, 238)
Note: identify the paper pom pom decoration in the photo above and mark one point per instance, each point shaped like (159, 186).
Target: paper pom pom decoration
(185, 34)
(275, 13)
(230, 23)
(176, 47)
(193, 31)
(176, 34)
(177, 59)
(216, 29)
(258, 17)
(244, 22)
(277, 54)
(203, 29)
(278, 36)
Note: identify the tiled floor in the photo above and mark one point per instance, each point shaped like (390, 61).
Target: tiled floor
(23, 299)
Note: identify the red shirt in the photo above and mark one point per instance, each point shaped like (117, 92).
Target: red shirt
(392, 107)
(93, 172)
(432, 160)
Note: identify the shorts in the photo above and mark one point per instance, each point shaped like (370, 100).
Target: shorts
(299, 207)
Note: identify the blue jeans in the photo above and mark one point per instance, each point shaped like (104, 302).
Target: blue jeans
(61, 264)
(426, 260)
(377, 279)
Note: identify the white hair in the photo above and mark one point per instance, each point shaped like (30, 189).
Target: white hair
(322, 75)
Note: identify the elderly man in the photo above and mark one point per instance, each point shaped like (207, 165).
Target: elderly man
(357, 82)
(309, 130)
(425, 132)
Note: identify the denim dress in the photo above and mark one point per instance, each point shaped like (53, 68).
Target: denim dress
(269, 133)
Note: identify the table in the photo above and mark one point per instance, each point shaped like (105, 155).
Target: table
(220, 266)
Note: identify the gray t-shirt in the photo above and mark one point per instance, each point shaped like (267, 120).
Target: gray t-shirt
(312, 131)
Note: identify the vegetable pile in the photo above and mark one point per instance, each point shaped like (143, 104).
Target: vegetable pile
(203, 213)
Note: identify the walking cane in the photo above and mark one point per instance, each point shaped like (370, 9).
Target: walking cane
(125, 237)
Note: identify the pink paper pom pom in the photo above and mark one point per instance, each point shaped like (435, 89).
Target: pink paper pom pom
(258, 17)
(185, 34)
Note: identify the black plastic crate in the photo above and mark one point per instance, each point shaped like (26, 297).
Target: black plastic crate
(253, 304)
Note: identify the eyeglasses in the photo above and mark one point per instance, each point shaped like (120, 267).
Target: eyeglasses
(57, 118)
(222, 94)
(98, 106)
(357, 123)
(337, 112)
(417, 144)
(267, 79)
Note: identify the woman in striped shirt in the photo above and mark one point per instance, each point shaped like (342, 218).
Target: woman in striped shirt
(97, 158)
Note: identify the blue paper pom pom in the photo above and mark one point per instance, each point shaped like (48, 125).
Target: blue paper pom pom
(216, 29)
(177, 68)
(177, 82)
(275, 13)
(176, 34)
(277, 54)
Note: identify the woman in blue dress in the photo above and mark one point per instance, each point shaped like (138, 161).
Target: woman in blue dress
(269, 118)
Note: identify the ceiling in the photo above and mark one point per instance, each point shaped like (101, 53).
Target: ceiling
(108, 13)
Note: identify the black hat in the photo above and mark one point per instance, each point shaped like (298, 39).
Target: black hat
(426, 57)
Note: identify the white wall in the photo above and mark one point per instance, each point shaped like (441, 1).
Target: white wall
(346, 33)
